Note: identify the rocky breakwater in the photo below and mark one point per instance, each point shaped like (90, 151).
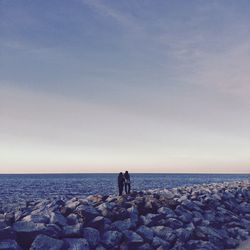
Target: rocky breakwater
(209, 216)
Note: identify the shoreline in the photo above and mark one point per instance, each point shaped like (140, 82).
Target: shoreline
(200, 216)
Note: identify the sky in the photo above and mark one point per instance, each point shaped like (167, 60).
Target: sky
(108, 86)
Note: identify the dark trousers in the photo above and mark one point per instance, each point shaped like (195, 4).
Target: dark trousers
(120, 186)
(127, 188)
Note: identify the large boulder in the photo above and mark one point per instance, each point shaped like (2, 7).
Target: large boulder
(121, 225)
(42, 242)
(27, 231)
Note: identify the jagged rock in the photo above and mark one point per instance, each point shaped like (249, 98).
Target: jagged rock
(146, 232)
(27, 231)
(87, 212)
(77, 244)
(72, 204)
(231, 243)
(168, 212)
(36, 218)
(72, 219)
(174, 223)
(157, 242)
(121, 225)
(145, 246)
(42, 242)
(9, 245)
(53, 230)
(58, 219)
(150, 219)
(98, 223)
(165, 233)
(133, 239)
(72, 230)
(111, 238)
(199, 245)
(92, 235)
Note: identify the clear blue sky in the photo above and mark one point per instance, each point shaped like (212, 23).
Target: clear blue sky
(103, 86)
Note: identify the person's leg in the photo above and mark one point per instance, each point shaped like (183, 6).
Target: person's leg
(120, 190)
(129, 187)
(126, 188)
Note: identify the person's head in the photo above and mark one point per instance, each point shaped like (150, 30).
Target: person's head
(126, 172)
(120, 173)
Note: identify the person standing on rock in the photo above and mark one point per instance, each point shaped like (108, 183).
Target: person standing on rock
(120, 183)
(127, 182)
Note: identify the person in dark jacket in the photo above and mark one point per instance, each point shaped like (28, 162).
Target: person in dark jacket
(127, 182)
(120, 183)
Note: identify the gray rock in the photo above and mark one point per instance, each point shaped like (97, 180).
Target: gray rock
(59, 219)
(145, 246)
(168, 212)
(146, 232)
(77, 244)
(92, 235)
(88, 212)
(72, 219)
(121, 225)
(98, 223)
(111, 238)
(157, 242)
(42, 242)
(165, 233)
(72, 231)
(150, 219)
(231, 243)
(36, 218)
(174, 223)
(27, 231)
(9, 245)
(133, 239)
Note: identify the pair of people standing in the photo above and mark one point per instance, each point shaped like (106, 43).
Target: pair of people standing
(124, 180)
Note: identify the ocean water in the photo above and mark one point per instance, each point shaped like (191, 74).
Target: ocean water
(15, 189)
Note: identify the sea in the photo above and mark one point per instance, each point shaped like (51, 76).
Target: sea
(16, 189)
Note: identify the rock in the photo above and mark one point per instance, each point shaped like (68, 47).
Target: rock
(72, 219)
(174, 223)
(146, 232)
(133, 239)
(77, 244)
(59, 219)
(121, 225)
(200, 245)
(184, 234)
(9, 218)
(168, 212)
(72, 231)
(72, 204)
(98, 223)
(157, 242)
(87, 212)
(111, 238)
(92, 235)
(105, 209)
(36, 218)
(145, 246)
(150, 219)
(100, 247)
(53, 230)
(9, 245)
(119, 213)
(45, 242)
(7, 233)
(27, 231)
(165, 233)
(231, 243)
